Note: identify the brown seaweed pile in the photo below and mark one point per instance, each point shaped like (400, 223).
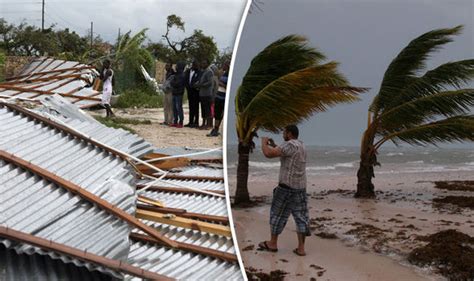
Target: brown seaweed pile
(451, 252)
(459, 201)
(275, 275)
(455, 185)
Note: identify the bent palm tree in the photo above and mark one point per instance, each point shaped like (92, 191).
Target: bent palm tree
(285, 84)
(418, 110)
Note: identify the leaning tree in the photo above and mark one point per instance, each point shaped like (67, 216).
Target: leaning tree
(415, 108)
(285, 84)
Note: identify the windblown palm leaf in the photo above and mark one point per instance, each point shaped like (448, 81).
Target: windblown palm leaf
(283, 56)
(458, 128)
(285, 84)
(419, 109)
(408, 63)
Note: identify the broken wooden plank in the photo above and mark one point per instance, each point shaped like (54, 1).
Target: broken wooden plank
(184, 222)
(181, 190)
(185, 214)
(150, 201)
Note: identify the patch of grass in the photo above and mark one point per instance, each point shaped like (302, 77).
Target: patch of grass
(139, 98)
(121, 120)
(109, 122)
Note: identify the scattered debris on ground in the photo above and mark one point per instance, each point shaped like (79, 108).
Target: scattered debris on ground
(257, 274)
(459, 201)
(450, 251)
(326, 235)
(455, 185)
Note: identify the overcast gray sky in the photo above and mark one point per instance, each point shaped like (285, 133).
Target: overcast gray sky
(219, 18)
(364, 36)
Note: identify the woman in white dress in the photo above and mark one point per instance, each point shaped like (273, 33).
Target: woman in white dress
(107, 75)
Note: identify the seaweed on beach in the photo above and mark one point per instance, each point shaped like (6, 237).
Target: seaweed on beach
(459, 201)
(450, 251)
(275, 275)
(455, 185)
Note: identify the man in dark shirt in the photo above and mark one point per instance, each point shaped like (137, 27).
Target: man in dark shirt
(191, 76)
(177, 89)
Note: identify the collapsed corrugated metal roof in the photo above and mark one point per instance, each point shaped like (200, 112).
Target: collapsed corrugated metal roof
(197, 222)
(47, 76)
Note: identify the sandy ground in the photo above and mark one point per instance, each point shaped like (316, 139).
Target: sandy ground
(164, 136)
(372, 237)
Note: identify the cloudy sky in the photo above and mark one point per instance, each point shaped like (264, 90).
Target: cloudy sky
(219, 18)
(364, 36)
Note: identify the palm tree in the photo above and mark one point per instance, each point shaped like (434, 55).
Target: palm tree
(284, 84)
(418, 109)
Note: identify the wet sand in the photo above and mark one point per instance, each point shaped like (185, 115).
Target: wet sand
(372, 237)
(165, 136)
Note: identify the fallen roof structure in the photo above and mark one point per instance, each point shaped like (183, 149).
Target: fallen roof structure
(47, 76)
(69, 181)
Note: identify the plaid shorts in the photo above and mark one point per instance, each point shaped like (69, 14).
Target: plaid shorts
(288, 201)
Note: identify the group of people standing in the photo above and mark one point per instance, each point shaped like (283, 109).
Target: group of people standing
(205, 85)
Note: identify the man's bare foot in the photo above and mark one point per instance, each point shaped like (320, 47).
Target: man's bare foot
(299, 252)
(267, 246)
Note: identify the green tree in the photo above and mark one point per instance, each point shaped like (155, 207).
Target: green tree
(418, 109)
(198, 45)
(128, 55)
(2, 65)
(285, 84)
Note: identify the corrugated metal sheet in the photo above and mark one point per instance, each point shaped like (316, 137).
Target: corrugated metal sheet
(194, 237)
(197, 170)
(203, 185)
(16, 267)
(54, 76)
(181, 265)
(61, 111)
(187, 150)
(71, 159)
(202, 204)
(36, 206)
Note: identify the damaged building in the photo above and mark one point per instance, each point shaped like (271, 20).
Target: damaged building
(82, 201)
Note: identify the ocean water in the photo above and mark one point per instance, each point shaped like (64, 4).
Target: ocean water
(334, 160)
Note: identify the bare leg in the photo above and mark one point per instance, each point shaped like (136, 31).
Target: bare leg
(301, 240)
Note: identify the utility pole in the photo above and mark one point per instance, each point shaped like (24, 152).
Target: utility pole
(92, 33)
(118, 38)
(42, 17)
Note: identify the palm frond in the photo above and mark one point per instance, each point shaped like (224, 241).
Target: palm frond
(444, 77)
(418, 111)
(296, 96)
(453, 129)
(408, 62)
(283, 56)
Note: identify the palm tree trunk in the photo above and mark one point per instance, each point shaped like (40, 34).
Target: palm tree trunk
(365, 187)
(242, 192)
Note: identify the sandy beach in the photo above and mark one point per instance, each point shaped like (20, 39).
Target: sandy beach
(354, 239)
(165, 136)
